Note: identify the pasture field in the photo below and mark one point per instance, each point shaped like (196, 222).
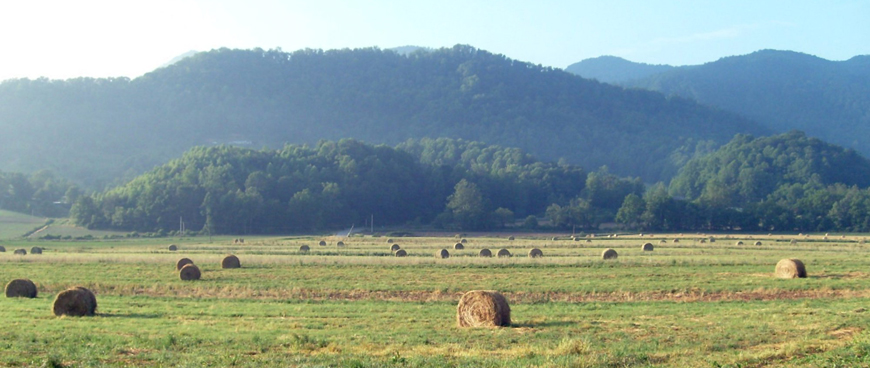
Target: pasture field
(684, 304)
(14, 224)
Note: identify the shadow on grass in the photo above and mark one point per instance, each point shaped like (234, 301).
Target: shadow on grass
(544, 324)
(128, 315)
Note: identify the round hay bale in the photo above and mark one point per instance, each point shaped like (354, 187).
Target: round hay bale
(458, 246)
(76, 302)
(20, 251)
(647, 247)
(189, 272)
(676, 240)
(182, 262)
(758, 243)
(484, 253)
(503, 253)
(511, 238)
(555, 238)
(481, 308)
(2, 248)
(712, 239)
(663, 241)
(390, 240)
(401, 253)
(790, 269)
(443, 253)
(231, 261)
(577, 239)
(304, 249)
(535, 253)
(21, 288)
(394, 247)
(739, 243)
(703, 241)
(322, 243)
(609, 254)
(173, 247)
(36, 250)
(463, 241)
(339, 244)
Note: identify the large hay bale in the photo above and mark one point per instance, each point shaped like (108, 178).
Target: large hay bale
(182, 262)
(189, 272)
(458, 246)
(322, 243)
(20, 252)
(443, 253)
(535, 253)
(76, 301)
(609, 254)
(173, 247)
(503, 253)
(394, 247)
(36, 250)
(304, 249)
(758, 243)
(647, 247)
(401, 253)
(790, 269)
(339, 244)
(21, 288)
(231, 261)
(463, 241)
(484, 253)
(481, 308)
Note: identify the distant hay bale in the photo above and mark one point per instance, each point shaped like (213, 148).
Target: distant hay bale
(339, 244)
(182, 262)
(703, 241)
(76, 302)
(20, 251)
(390, 240)
(576, 238)
(443, 253)
(36, 250)
(676, 240)
(322, 243)
(790, 269)
(647, 247)
(189, 272)
(588, 240)
(231, 261)
(458, 246)
(241, 241)
(503, 253)
(712, 239)
(394, 247)
(484, 253)
(511, 238)
(463, 241)
(663, 241)
(535, 253)
(401, 253)
(609, 254)
(481, 308)
(173, 247)
(21, 288)
(2, 248)
(304, 249)
(739, 243)
(555, 238)
(758, 243)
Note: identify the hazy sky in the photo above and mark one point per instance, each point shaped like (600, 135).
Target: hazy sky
(64, 39)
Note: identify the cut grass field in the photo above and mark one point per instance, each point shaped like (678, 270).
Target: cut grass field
(685, 304)
(14, 225)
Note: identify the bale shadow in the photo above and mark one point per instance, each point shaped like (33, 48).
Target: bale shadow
(128, 315)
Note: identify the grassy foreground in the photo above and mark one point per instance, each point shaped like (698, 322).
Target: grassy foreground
(685, 304)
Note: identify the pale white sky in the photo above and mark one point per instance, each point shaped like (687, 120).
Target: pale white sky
(96, 38)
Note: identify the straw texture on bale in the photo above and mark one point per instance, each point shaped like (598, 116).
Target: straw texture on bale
(609, 254)
(182, 262)
(458, 246)
(76, 302)
(21, 288)
(322, 243)
(304, 248)
(2, 248)
(339, 244)
(394, 247)
(231, 261)
(535, 253)
(481, 308)
(647, 247)
(36, 250)
(20, 251)
(443, 253)
(790, 269)
(401, 253)
(758, 243)
(503, 253)
(173, 247)
(189, 272)
(484, 253)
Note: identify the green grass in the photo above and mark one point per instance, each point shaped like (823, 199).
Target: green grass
(682, 305)
(14, 225)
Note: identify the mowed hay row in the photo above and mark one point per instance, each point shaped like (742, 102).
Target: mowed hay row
(21, 288)
(231, 261)
(790, 269)
(483, 308)
(182, 262)
(189, 272)
(76, 301)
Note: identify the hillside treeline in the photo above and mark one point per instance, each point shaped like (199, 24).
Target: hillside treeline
(38, 194)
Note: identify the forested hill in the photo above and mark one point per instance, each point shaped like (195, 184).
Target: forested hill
(96, 130)
(615, 70)
(783, 90)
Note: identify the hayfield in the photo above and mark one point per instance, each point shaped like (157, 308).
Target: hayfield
(684, 304)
